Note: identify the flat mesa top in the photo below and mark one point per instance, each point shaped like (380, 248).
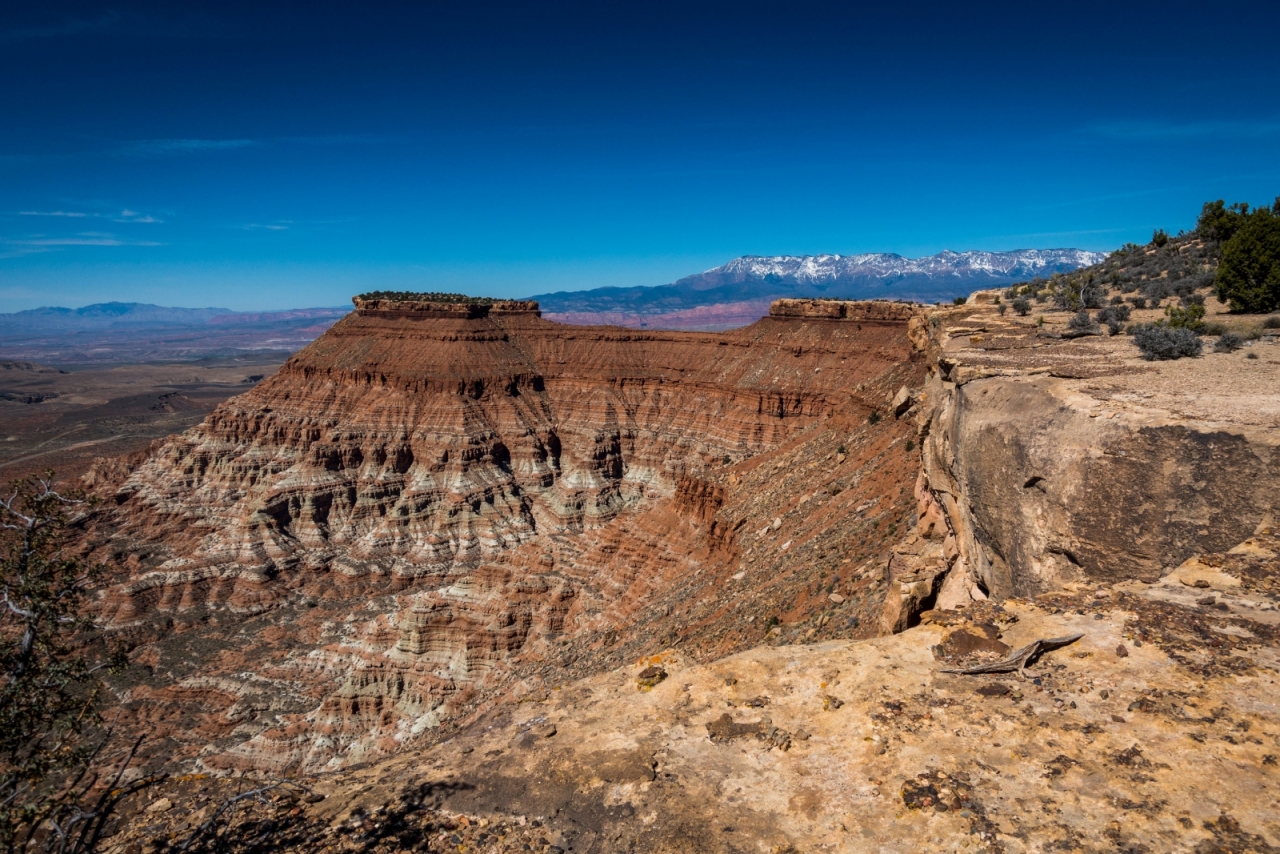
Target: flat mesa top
(830, 309)
(395, 304)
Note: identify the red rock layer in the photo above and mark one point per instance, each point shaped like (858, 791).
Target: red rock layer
(508, 482)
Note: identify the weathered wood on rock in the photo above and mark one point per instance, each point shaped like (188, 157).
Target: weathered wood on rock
(1018, 659)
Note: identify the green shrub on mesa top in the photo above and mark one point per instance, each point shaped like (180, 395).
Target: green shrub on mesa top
(425, 296)
(1191, 317)
(1159, 343)
(1249, 273)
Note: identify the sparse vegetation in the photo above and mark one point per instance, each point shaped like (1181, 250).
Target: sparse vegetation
(1191, 317)
(52, 794)
(1158, 343)
(426, 296)
(1082, 324)
(959, 300)
(1114, 312)
(1185, 266)
(1021, 306)
(1228, 342)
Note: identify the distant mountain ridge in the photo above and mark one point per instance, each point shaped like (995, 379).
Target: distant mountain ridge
(739, 292)
(886, 265)
(106, 315)
(133, 332)
(733, 294)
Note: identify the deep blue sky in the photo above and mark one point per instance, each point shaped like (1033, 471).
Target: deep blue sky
(222, 154)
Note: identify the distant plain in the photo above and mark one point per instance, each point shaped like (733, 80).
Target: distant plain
(62, 418)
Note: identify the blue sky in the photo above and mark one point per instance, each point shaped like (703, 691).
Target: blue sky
(226, 154)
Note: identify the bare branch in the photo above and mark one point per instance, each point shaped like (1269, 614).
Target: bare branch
(1018, 660)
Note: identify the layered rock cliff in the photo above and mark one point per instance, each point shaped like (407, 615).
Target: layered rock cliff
(439, 499)
(640, 645)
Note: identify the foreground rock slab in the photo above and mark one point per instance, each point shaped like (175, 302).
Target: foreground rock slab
(1115, 743)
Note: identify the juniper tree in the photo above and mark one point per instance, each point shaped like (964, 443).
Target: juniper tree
(1249, 273)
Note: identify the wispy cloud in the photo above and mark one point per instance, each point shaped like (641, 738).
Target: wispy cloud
(82, 241)
(254, 226)
(186, 146)
(125, 216)
(1158, 130)
(66, 27)
(20, 251)
(14, 247)
(337, 139)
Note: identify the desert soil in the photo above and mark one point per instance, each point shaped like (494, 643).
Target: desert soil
(64, 417)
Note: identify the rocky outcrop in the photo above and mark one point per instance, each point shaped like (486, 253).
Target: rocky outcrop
(1056, 490)
(1062, 462)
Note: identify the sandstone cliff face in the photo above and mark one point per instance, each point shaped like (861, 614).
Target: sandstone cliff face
(1047, 462)
(441, 501)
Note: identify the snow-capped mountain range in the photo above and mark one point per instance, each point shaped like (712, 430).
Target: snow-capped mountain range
(739, 292)
(1021, 263)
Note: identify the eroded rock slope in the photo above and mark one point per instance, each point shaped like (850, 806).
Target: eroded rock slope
(436, 504)
(696, 671)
